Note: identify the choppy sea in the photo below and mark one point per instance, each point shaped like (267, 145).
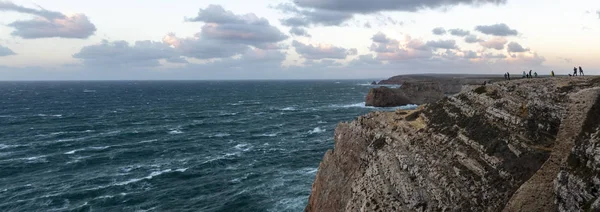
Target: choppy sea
(168, 145)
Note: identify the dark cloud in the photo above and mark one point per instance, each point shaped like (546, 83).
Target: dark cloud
(470, 54)
(48, 24)
(243, 29)
(364, 7)
(318, 52)
(459, 32)
(177, 60)
(516, 47)
(497, 30)
(299, 31)
(442, 44)
(307, 17)
(121, 54)
(5, 51)
(472, 39)
(494, 43)
(379, 37)
(439, 31)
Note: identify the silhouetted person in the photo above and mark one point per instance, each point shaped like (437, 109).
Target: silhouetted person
(574, 71)
(530, 76)
(552, 73)
(524, 74)
(535, 74)
(505, 76)
(580, 71)
(508, 75)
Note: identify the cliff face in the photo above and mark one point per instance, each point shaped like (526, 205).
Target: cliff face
(414, 92)
(488, 148)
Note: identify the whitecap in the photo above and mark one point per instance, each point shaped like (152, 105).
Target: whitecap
(289, 109)
(4, 146)
(266, 135)
(321, 122)
(243, 147)
(360, 104)
(150, 176)
(227, 114)
(148, 141)
(408, 107)
(317, 130)
(71, 152)
(173, 132)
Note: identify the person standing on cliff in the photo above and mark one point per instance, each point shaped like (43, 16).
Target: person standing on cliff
(535, 74)
(580, 71)
(552, 73)
(574, 71)
(505, 78)
(530, 76)
(524, 74)
(508, 75)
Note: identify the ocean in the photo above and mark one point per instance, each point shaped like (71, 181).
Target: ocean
(168, 145)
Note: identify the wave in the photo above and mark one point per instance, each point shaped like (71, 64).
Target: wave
(46, 115)
(220, 135)
(362, 105)
(150, 176)
(317, 130)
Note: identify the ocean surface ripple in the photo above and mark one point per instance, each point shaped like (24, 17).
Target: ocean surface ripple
(168, 145)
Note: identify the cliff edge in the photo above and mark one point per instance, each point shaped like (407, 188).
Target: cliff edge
(513, 146)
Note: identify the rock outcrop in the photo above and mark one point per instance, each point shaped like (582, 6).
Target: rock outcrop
(418, 89)
(386, 97)
(514, 146)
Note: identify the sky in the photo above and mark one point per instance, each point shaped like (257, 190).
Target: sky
(299, 39)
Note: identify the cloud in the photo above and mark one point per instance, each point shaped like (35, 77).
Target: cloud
(177, 60)
(566, 59)
(497, 30)
(472, 39)
(442, 44)
(388, 49)
(494, 43)
(5, 51)
(318, 52)
(516, 47)
(373, 6)
(308, 17)
(598, 12)
(299, 31)
(459, 32)
(121, 54)
(470, 54)
(494, 56)
(439, 31)
(48, 24)
(201, 48)
(243, 29)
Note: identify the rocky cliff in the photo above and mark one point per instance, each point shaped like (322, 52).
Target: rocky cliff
(518, 145)
(413, 92)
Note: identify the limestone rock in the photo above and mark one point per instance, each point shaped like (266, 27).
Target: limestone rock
(483, 149)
